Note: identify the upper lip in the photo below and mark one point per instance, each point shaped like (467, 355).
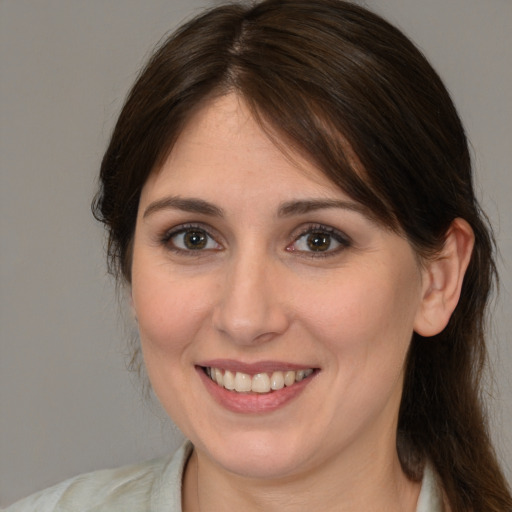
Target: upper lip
(254, 368)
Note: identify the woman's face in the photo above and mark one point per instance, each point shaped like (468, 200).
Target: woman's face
(254, 267)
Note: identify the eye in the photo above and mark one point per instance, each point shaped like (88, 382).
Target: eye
(320, 240)
(192, 238)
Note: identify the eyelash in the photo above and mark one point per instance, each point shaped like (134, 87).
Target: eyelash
(320, 229)
(166, 239)
(339, 237)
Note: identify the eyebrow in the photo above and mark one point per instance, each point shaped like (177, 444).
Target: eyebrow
(290, 208)
(191, 205)
(310, 205)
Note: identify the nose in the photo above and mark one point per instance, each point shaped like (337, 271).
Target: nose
(250, 309)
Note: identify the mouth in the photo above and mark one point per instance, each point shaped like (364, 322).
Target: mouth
(260, 383)
(255, 388)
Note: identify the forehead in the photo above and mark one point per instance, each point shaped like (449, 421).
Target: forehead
(223, 145)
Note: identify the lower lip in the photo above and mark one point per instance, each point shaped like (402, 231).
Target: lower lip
(252, 403)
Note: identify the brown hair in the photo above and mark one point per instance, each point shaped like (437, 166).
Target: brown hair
(325, 76)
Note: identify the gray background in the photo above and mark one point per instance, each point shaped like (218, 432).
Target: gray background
(67, 403)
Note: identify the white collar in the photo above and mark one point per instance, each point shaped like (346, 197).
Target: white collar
(431, 495)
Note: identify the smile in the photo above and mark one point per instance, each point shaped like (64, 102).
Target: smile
(241, 382)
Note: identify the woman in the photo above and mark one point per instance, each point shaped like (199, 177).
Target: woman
(288, 195)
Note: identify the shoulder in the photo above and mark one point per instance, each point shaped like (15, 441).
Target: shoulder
(136, 488)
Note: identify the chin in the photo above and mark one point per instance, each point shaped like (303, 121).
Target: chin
(258, 455)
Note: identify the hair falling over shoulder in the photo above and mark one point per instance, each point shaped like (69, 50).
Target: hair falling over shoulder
(335, 80)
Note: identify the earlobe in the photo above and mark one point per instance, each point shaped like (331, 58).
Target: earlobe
(442, 279)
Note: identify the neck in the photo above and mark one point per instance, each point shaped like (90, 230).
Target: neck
(376, 483)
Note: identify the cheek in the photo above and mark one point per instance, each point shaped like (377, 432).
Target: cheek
(169, 311)
(169, 315)
(367, 328)
(366, 320)
(362, 307)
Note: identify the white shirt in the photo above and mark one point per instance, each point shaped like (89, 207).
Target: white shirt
(153, 486)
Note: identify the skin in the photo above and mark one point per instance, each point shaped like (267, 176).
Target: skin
(258, 292)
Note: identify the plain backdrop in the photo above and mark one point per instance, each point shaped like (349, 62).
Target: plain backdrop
(67, 403)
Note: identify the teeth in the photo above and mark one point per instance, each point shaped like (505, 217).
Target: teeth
(243, 382)
(277, 381)
(259, 383)
(229, 380)
(289, 378)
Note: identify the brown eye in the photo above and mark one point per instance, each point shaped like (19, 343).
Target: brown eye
(191, 239)
(195, 240)
(321, 241)
(318, 241)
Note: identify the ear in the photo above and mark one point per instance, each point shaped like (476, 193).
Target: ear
(442, 279)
